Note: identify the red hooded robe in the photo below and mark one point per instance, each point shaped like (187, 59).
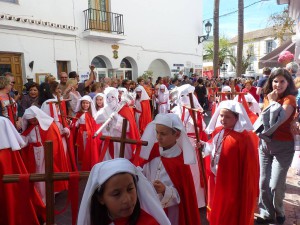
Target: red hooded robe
(232, 192)
(181, 176)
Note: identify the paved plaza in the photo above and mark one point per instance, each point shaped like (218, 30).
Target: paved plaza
(292, 202)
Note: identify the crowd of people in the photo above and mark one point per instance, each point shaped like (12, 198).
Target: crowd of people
(187, 164)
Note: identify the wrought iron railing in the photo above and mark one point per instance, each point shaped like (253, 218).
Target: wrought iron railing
(103, 21)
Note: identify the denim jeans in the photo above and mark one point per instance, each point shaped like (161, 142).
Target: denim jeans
(275, 158)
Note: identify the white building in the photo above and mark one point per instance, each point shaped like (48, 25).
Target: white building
(257, 43)
(294, 12)
(68, 35)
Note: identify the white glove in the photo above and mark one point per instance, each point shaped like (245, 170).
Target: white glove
(66, 131)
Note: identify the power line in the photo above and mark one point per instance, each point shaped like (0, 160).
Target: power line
(226, 14)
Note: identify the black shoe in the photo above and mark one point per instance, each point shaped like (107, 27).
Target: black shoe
(280, 219)
(260, 220)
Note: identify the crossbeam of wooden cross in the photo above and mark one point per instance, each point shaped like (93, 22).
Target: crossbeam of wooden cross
(48, 177)
(199, 156)
(230, 95)
(123, 141)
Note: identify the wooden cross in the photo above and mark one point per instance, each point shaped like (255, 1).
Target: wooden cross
(123, 139)
(48, 177)
(63, 122)
(200, 159)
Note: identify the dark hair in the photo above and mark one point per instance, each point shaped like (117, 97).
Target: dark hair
(158, 79)
(99, 213)
(53, 85)
(174, 80)
(200, 81)
(33, 84)
(291, 88)
(72, 74)
(266, 71)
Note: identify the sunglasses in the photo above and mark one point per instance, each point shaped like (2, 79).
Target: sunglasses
(13, 82)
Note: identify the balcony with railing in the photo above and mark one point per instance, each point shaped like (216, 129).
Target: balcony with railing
(103, 25)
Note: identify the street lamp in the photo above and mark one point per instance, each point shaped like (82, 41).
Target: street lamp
(224, 68)
(208, 26)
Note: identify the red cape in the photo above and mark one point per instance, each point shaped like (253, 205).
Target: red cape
(17, 209)
(145, 117)
(181, 176)
(232, 197)
(133, 133)
(89, 155)
(59, 157)
(70, 154)
(144, 219)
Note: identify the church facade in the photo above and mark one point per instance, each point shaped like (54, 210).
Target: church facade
(122, 38)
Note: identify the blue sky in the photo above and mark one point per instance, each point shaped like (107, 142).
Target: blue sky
(255, 16)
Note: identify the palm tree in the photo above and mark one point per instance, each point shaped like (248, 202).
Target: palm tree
(216, 38)
(245, 62)
(240, 38)
(223, 51)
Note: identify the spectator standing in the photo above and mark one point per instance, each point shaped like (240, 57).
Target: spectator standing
(87, 83)
(292, 67)
(260, 84)
(276, 156)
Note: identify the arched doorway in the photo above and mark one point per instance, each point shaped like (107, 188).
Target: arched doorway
(102, 64)
(160, 68)
(128, 69)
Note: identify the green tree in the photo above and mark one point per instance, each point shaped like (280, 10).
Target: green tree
(282, 24)
(245, 62)
(223, 51)
(147, 74)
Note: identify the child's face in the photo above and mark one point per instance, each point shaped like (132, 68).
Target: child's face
(99, 101)
(58, 91)
(162, 90)
(138, 94)
(228, 118)
(119, 195)
(248, 86)
(166, 137)
(85, 105)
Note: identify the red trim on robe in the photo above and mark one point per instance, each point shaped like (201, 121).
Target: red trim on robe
(181, 176)
(11, 212)
(133, 132)
(145, 116)
(232, 196)
(144, 219)
(59, 157)
(91, 153)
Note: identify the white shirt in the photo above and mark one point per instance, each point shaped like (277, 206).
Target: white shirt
(155, 170)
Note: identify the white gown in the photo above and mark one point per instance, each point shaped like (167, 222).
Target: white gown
(155, 170)
(189, 127)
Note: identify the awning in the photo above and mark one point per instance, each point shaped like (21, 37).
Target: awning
(271, 59)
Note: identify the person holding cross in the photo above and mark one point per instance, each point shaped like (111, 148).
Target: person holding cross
(37, 128)
(183, 111)
(30, 210)
(118, 111)
(168, 156)
(233, 173)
